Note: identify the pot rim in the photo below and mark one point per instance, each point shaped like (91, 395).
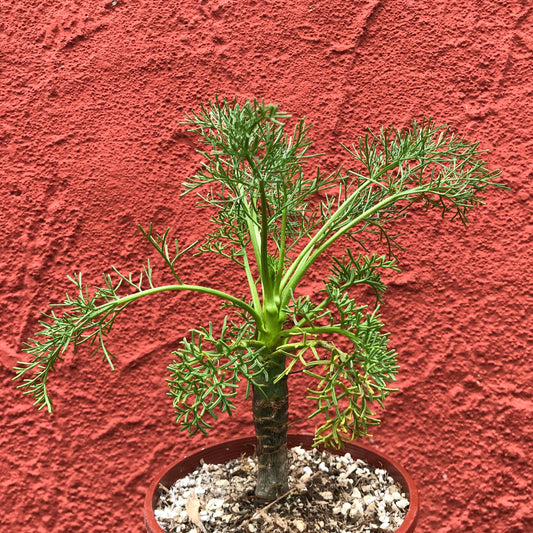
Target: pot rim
(234, 448)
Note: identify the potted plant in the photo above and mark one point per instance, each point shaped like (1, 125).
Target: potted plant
(274, 221)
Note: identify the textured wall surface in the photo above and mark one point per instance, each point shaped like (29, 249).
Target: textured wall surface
(91, 96)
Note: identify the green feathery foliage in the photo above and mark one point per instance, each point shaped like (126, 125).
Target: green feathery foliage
(274, 218)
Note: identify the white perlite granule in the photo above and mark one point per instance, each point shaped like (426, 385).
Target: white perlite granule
(328, 492)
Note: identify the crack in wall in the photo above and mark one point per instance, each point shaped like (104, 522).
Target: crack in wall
(368, 17)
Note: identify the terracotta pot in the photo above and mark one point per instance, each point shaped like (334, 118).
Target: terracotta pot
(221, 453)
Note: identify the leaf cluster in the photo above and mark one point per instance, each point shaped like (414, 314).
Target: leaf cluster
(86, 319)
(208, 370)
(254, 163)
(347, 381)
(274, 218)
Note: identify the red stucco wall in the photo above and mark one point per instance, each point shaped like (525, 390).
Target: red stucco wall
(91, 95)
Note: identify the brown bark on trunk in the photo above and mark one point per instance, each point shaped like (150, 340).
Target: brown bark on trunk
(270, 409)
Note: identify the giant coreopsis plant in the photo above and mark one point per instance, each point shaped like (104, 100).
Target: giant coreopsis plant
(274, 218)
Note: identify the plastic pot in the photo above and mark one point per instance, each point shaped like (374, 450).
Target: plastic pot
(222, 453)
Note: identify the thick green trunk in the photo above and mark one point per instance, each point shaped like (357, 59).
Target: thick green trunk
(270, 410)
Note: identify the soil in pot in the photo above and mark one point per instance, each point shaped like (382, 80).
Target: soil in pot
(331, 493)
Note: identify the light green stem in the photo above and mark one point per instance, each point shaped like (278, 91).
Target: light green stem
(314, 249)
(125, 300)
